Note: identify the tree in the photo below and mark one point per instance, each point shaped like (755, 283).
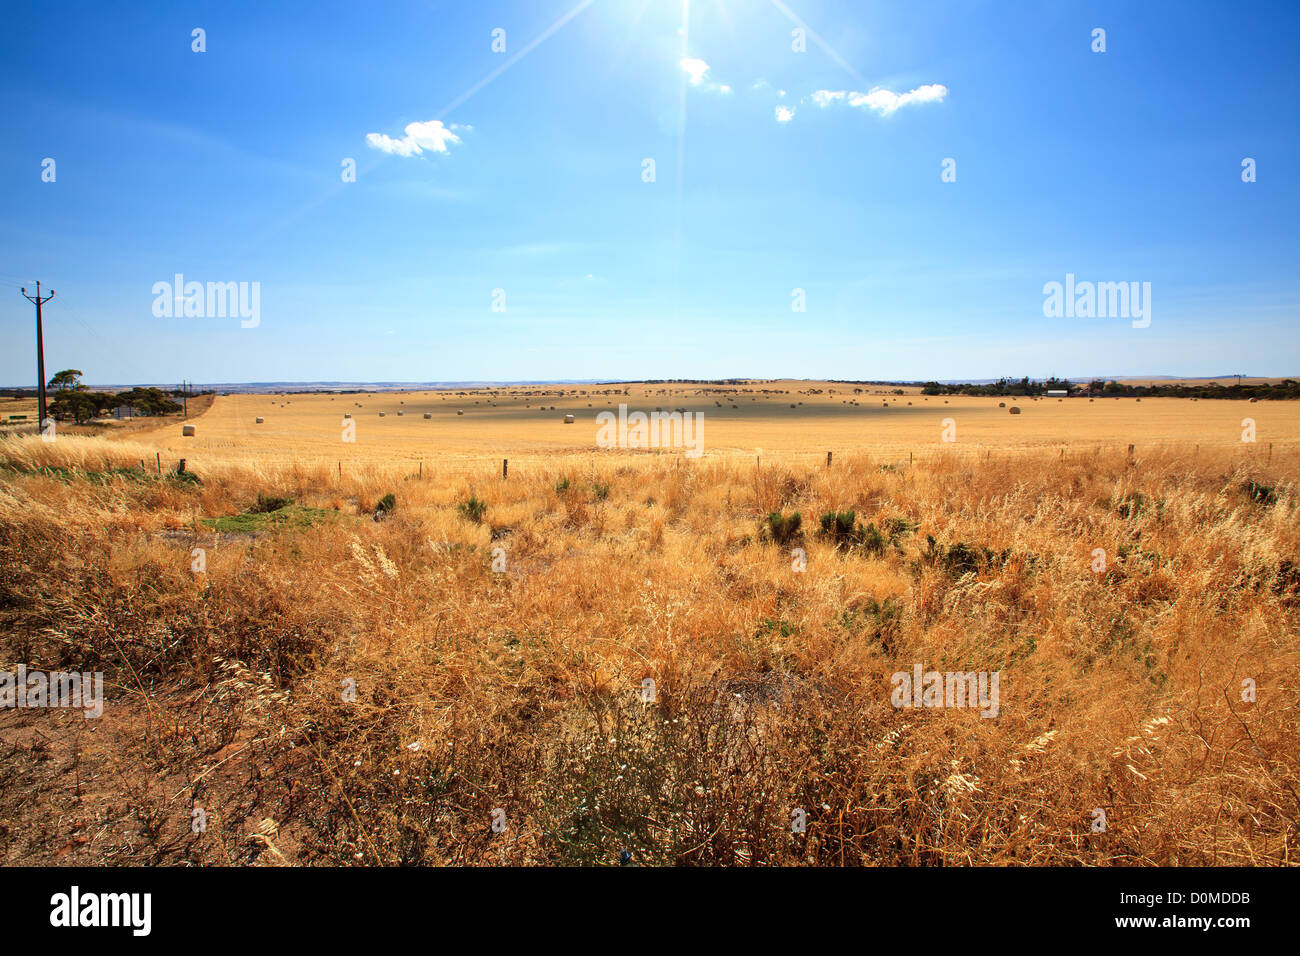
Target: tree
(150, 401)
(79, 404)
(69, 378)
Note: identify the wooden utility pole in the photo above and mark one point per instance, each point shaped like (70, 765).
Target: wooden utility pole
(40, 353)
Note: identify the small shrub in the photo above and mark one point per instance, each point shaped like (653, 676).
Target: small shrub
(268, 503)
(474, 509)
(783, 529)
(839, 525)
(1260, 494)
(387, 505)
(880, 620)
(897, 527)
(962, 558)
(870, 539)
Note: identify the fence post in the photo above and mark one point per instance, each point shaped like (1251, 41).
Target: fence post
(505, 468)
(159, 457)
(828, 459)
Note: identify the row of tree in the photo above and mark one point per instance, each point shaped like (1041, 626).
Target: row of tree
(1287, 388)
(73, 400)
(1003, 386)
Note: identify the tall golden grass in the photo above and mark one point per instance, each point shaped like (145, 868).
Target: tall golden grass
(521, 691)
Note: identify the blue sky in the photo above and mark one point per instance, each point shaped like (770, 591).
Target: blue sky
(225, 166)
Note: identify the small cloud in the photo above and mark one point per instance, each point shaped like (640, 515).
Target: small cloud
(699, 72)
(784, 114)
(697, 68)
(881, 100)
(825, 98)
(432, 135)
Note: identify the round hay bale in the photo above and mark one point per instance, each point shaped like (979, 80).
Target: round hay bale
(260, 419)
(427, 415)
(1002, 404)
(1015, 409)
(187, 431)
(569, 419)
(460, 411)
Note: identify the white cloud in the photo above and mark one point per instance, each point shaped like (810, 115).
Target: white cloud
(699, 73)
(697, 68)
(881, 100)
(784, 114)
(419, 137)
(825, 98)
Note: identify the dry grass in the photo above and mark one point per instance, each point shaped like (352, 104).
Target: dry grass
(520, 691)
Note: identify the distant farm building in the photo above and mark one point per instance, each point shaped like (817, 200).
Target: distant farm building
(123, 411)
(1058, 392)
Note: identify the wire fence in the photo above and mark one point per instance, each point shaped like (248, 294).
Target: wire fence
(430, 466)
